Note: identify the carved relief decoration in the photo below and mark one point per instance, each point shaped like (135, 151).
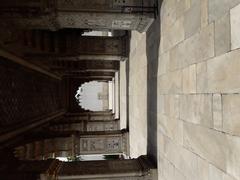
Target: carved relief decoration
(101, 145)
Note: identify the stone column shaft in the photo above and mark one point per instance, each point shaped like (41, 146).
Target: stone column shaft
(111, 14)
(47, 144)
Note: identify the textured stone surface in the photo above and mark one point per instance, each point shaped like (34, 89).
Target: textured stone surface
(198, 80)
(174, 35)
(138, 95)
(163, 64)
(222, 35)
(196, 109)
(189, 79)
(223, 73)
(172, 128)
(202, 77)
(171, 82)
(199, 47)
(192, 19)
(233, 158)
(170, 106)
(214, 173)
(217, 8)
(231, 114)
(235, 27)
(123, 95)
(210, 145)
(204, 13)
(217, 112)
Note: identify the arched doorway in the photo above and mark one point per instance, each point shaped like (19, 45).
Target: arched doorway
(93, 96)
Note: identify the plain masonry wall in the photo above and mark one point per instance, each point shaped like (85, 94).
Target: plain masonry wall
(198, 90)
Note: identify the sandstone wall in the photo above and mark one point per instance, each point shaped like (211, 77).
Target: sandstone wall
(198, 90)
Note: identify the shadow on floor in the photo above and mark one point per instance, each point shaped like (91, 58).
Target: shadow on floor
(152, 49)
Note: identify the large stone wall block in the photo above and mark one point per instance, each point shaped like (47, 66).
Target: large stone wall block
(189, 79)
(197, 48)
(192, 19)
(235, 27)
(163, 63)
(197, 109)
(222, 35)
(223, 73)
(217, 112)
(231, 114)
(174, 35)
(176, 56)
(207, 143)
(218, 8)
(204, 13)
(215, 173)
(168, 15)
(182, 6)
(171, 105)
(172, 128)
(184, 160)
(202, 83)
(171, 83)
(233, 158)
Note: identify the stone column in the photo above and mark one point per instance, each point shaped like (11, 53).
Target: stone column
(122, 14)
(90, 116)
(85, 69)
(117, 98)
(123, 95)
(91, 75)
(68, 124)
(128, 169)
(75, 47)
(50, 144)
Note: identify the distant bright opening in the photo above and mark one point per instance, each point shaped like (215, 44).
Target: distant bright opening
(93, 96)
(98, 33)
(97, 157)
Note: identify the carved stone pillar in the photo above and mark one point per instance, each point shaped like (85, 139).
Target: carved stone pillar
(128, 169)
(84, 126)
(108, 14)
(72, 46)
(50, 144)
(90, 116)
(91, 75)
(84, 69)
(104, 143)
